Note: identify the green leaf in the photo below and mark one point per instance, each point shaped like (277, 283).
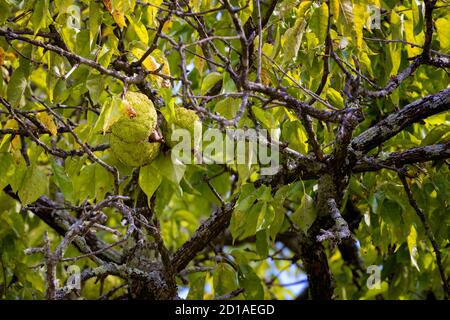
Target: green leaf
(5, 8)
(84, 183)
(34, 185)
(6, 162)
(95, 17)
(292, 38)
(111, 111)
(17, 86)
(103, 182)
(250, 219)
(278, 205)
(228, 107)
(62, 180)
(228, 84)
(262, 243)
(306, 214)
(209, 81)
(39, 18)
(391, 211)
(266, 217)
(250, 281)
(295, 134)
(224, 279)
(82, 44)
(149, 180)
(435, 135)
(95, 85)
(196, 286)
(169, 168)
(245, 13)
(319, 21)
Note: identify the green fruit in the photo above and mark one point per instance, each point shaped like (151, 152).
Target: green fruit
(135, 154)
(139, 120)
(184, 119)
(130, 134)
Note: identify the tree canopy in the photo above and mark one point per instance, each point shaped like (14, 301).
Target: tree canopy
(351, 97)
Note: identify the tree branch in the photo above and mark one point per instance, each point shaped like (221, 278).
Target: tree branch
(396, 122)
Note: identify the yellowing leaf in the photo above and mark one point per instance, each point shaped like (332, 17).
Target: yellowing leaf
(344, 20)
(10, 124)
(335, 98)
(149, 62)
(165, 69)
(119, 18)
(366, 62)
(335, 9)
(16, 144)
(2, 56)
(247, 9)
(167, 26)
(359, 20)
(47, 121)
(152, 63)
(408, 27)
(265, 77)
(116, 13)
(395, 51)
(108, 5)
(443, 31)
(139, 28)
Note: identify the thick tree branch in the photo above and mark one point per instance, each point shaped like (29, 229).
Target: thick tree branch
(396, 122)
(204, 234)
(401, 158)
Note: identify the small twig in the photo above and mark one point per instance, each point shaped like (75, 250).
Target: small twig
(214, 191)
(230, 295)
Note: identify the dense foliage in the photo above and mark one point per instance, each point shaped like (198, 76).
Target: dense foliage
(355, 96)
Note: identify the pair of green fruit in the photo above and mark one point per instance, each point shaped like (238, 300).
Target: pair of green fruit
(130, 139)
